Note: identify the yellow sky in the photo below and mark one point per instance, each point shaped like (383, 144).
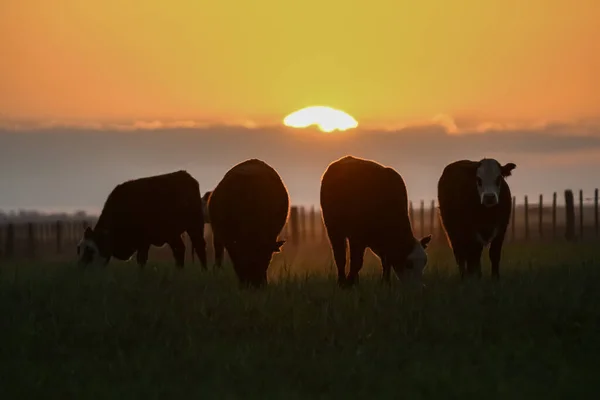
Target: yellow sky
(383, 61)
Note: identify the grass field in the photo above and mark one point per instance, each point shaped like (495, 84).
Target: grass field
(162, 333)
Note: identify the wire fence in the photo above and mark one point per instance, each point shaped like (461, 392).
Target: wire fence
(532, 221)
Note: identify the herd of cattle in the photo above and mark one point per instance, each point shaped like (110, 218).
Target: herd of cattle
(363, 203)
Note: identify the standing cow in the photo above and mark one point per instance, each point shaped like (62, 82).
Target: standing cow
(475, 205)
(248, 209)
(367, 203)
(148, 211)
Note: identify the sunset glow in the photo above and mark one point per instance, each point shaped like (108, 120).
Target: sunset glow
(385, 62)
(326, 118)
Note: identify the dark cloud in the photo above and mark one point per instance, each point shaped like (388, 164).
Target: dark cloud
(68, 166)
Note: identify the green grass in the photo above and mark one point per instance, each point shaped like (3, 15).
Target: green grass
(119, 333)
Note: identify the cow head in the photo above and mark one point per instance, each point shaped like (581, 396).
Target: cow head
(94, 247)
(410, 261)
(489, 177)
(251, 260)
(205, 206)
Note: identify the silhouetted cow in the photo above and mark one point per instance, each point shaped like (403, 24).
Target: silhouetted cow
(367, 203)
(248, 209)
(475, 205)
(147, 211)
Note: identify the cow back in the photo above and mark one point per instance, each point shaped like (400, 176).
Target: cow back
(251, 200)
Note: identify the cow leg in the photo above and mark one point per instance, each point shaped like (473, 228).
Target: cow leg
(142, 255)
(495, 254)
(199, 244)
(178, 248)
(460, 257)
(387, 269)
(338, 245)
(219, 250)
(386, 266)
(357, 254)
(474, 260)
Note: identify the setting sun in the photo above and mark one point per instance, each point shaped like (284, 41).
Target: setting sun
(326, 118)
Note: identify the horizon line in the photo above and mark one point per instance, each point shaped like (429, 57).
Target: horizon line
(443, 121)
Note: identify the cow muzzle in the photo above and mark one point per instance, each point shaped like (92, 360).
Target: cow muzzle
(489, 199)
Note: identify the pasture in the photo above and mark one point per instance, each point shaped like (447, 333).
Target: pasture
(161, 332)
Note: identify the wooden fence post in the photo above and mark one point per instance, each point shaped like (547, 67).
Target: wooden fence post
(554, 215)
(9, 251)
(312, 228)
(30, 239)
(432, 218)
(302, 220)
(422, 218)
(49, 236)
(2, 237)
(512, 224)
(294, 225)
(541, 217)
(570, 215)
(596, 211)
(59, 237)
(47, 233)
(581, 214)
(69, 231)
(526, 218)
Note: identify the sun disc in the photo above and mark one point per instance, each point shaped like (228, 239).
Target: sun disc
(326, 118)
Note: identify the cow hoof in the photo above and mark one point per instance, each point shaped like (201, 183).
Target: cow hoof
(348, 283)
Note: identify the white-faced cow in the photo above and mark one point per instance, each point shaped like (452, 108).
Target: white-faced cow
(475, 205)
(154, 210)
(366, 204)
(248, 209)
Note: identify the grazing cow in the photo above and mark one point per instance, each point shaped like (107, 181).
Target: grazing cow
(475, 205)
(148, 211)
(367, 203)
(248, 209)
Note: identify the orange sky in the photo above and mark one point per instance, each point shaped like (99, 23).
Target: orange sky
(383, 61)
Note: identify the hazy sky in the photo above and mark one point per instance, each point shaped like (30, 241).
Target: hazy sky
(517, 80)
(383, 61)
(76, 169)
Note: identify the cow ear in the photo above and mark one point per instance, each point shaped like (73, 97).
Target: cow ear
(425, 241)
(206, 196)
(88, 233)
(506, 169)
(277, 247)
